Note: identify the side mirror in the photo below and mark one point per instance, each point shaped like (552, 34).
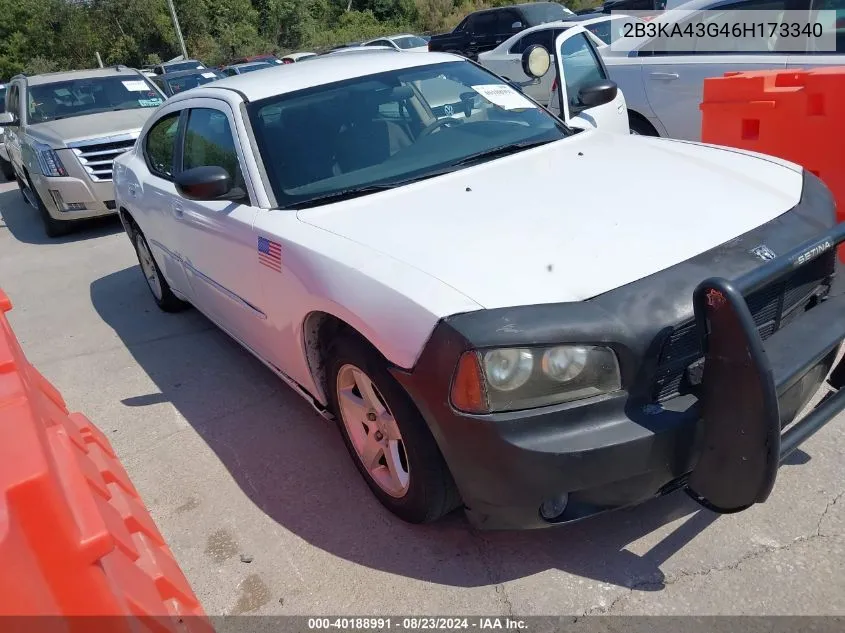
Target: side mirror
(207, 183)
(7, 118)
(536, 61)
(597, 93)
(516, 26)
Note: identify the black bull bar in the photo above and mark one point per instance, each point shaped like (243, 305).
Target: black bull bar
(744, 379)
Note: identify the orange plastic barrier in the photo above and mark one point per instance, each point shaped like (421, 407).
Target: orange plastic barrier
(75, 537)
(798, 115)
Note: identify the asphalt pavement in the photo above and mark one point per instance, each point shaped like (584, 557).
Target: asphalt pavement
(266, 513)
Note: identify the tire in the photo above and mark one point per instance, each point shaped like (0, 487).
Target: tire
(640, 127)
(429, 491)
(157, 284)
(7, 169)
(52, 227)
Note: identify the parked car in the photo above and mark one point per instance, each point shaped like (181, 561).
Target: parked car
(491, 324)
(506, 59)
(404, 42)
(664, 89)
(292, 58)
(483, 30)
(239, 69)
(172, 83)
(62, 133)
(178, 66)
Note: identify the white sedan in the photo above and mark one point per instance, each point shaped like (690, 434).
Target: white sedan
(403, 42)
(491, 324)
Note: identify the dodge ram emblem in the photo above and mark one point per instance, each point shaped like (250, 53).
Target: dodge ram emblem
(763, 252)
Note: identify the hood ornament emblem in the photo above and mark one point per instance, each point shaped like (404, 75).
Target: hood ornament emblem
(763, 252)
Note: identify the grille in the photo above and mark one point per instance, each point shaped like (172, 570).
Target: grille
(773, 307)
(97, 157)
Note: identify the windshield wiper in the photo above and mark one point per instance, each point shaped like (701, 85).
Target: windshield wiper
(339, 196)
(496, 152)
(357, 192)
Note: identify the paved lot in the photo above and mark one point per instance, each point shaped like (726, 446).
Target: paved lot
(231, 463)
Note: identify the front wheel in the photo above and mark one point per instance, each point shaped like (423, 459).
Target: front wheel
(387, 437)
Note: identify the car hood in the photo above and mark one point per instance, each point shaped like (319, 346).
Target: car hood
(569, 220)
(58, 134)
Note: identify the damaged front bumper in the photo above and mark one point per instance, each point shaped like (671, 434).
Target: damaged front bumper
(745, 379)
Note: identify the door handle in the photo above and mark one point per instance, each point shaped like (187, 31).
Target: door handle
(664, 76)
(177, 209)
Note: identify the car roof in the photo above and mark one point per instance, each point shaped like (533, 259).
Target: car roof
(521, 5)
(255, 62)
(49, 78)
(325, 69)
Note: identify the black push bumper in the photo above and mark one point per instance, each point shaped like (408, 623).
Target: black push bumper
(724, 442)
(745, 379)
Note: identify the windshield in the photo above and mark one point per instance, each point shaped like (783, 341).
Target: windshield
(392, 127)
(78, 97)
(186, 82)
(175, 68)
(409, 41)
(540, 12)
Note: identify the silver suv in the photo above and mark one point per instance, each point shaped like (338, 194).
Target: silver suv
(62, 132)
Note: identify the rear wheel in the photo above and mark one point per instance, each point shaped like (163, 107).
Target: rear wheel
(159, 288)
(387, 437)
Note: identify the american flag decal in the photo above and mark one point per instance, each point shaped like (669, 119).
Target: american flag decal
(270, 254)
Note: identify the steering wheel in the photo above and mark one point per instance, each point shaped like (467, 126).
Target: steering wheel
(436, 125)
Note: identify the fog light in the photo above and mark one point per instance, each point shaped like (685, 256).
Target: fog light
(551, 509)
(65, 206)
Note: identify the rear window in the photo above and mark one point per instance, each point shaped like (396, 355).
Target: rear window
(2, 98)
(544, 12)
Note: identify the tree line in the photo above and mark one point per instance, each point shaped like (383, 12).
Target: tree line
(46, 35)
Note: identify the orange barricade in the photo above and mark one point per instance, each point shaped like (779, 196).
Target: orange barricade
(75, 537)
(798, 115)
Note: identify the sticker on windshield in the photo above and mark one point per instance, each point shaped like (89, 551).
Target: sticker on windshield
(149, 103)
(503, 96)
(200, 67)
(209, 75)
(136, 86)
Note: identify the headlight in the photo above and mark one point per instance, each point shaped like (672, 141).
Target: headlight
(508, 379)
(48, 160)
